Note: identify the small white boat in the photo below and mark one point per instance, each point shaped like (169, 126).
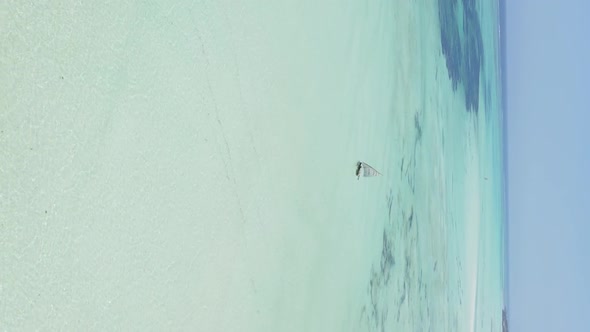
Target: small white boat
(365, 170)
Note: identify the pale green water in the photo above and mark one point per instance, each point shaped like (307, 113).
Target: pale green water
(190, 166)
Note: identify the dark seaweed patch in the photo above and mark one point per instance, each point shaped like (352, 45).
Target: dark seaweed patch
(418, 128)
(387, 259)
(464, 56)
(389, 199)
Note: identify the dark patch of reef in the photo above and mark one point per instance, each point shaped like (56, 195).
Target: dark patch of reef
(462, 46)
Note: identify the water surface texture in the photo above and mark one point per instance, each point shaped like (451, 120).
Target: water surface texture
(190, 165)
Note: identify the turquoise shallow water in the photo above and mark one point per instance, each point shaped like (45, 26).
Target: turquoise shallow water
(441, 260)
(190, 165)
